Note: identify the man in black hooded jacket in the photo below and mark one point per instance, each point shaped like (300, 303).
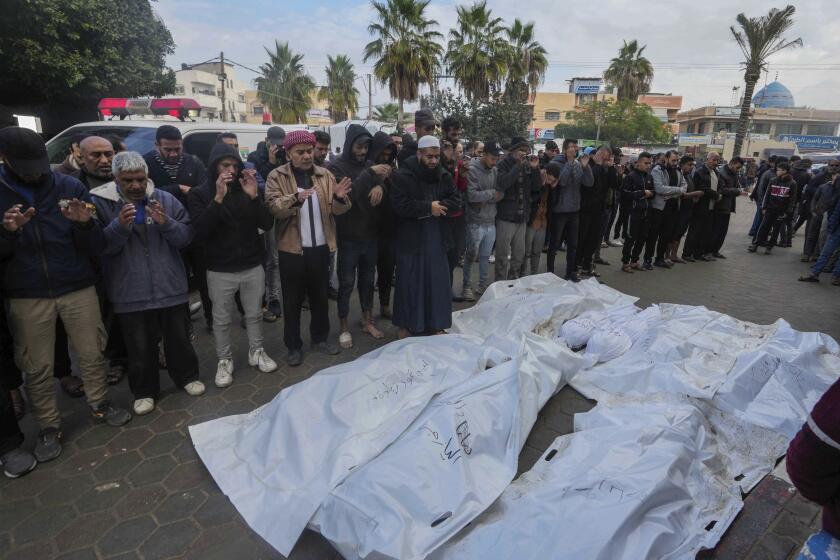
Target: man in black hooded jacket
(357, 229)
(229, 218)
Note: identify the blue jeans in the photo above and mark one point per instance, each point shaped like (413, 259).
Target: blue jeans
(356, 255)
(480, 240)
(831, 245)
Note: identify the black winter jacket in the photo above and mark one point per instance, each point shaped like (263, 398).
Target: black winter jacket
(360, 221)
(229, 234)
(50, 256)
(703, 182)
(191, 173)
(520, 185)
(633, 190)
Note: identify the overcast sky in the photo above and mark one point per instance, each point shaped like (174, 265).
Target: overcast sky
(690, 45)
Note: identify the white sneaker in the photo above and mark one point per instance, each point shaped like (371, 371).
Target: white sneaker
(491, 259)
(194, 389)
(143, 406)
(224, 373)
(468, 294)
(258, 358)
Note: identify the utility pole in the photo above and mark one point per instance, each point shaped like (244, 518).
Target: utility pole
(370, 97)
(223, 78)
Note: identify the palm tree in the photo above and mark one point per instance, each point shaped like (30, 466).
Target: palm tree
(406, 50)
(759, 38)
(389, 113)
(477, 52)
(527, 60)
(630, 72)
(284, 86)
(341, 92)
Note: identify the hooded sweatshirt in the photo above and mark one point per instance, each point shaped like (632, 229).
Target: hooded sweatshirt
(230, 233)
(384, 212)
(360, 221)
(780, 194)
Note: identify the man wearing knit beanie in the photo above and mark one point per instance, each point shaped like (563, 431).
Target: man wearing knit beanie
(305, 198)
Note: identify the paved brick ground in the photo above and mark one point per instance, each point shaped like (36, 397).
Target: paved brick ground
(140, 492)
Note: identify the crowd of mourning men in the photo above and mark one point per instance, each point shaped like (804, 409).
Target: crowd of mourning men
(101, 252)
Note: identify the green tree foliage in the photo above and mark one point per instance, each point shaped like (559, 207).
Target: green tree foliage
(405, 51)
(284, 86)
(387, 112)
(498, 117)
(341, 92)
(630, 72)
(78, 51)
(759, 38)
(477, 53)
(622, 122)
(527, 61)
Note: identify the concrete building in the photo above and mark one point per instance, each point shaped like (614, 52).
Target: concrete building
(665, 106)
(202, 82)
(317, 115)
(550, 108)
(775, 116)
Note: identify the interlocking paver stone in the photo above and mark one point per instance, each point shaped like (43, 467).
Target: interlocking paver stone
(161, 444)
(217, 510)
(170, 421)
(65, 490)
(186, 476)
(179, 506)
(129, 439)
(170, 540)
(126, 536)
(13, 513)
(45, 524)
(102, 496)
(140, 501)
(84, 530)
(152, 470)
(84, 554)
(117, 466)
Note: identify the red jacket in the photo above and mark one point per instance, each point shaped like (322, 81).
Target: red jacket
(813, 458)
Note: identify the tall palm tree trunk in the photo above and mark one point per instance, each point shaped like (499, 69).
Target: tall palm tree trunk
(400, 116)
(750, 79)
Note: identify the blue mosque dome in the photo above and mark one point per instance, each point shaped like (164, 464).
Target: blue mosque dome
(774, 95)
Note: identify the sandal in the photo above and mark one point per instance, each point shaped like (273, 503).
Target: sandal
(835, 282)
(627, 268)
(808, 278)
(73, 386)
(345, 340)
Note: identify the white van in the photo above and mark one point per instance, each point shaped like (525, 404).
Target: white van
(139, 135)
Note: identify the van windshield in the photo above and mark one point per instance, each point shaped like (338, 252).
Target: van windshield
(137, 139)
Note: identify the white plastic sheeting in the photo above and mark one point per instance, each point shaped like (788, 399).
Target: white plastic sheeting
(397, 454)
(278, 463)
(539, 304)
(450, 464)
(622, 491)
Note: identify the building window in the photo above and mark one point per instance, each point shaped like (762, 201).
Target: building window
(552, 115)
(788, 128)
(728, 126)
(241, 97)
(257, 110)
(179, 90)
(822, 129)
(760, 128)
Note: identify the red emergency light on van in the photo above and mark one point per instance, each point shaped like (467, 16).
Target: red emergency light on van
(178, 107)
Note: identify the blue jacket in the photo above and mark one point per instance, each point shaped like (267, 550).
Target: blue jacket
(143, 269)
(50, 256)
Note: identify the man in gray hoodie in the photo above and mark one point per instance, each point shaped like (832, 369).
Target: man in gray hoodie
(145, 228)
(481, 216)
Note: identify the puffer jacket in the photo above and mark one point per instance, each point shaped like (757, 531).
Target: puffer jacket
(142, 264)
(51, 255)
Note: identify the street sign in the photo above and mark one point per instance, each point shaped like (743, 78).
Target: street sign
(690, 139)
(808, 142)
